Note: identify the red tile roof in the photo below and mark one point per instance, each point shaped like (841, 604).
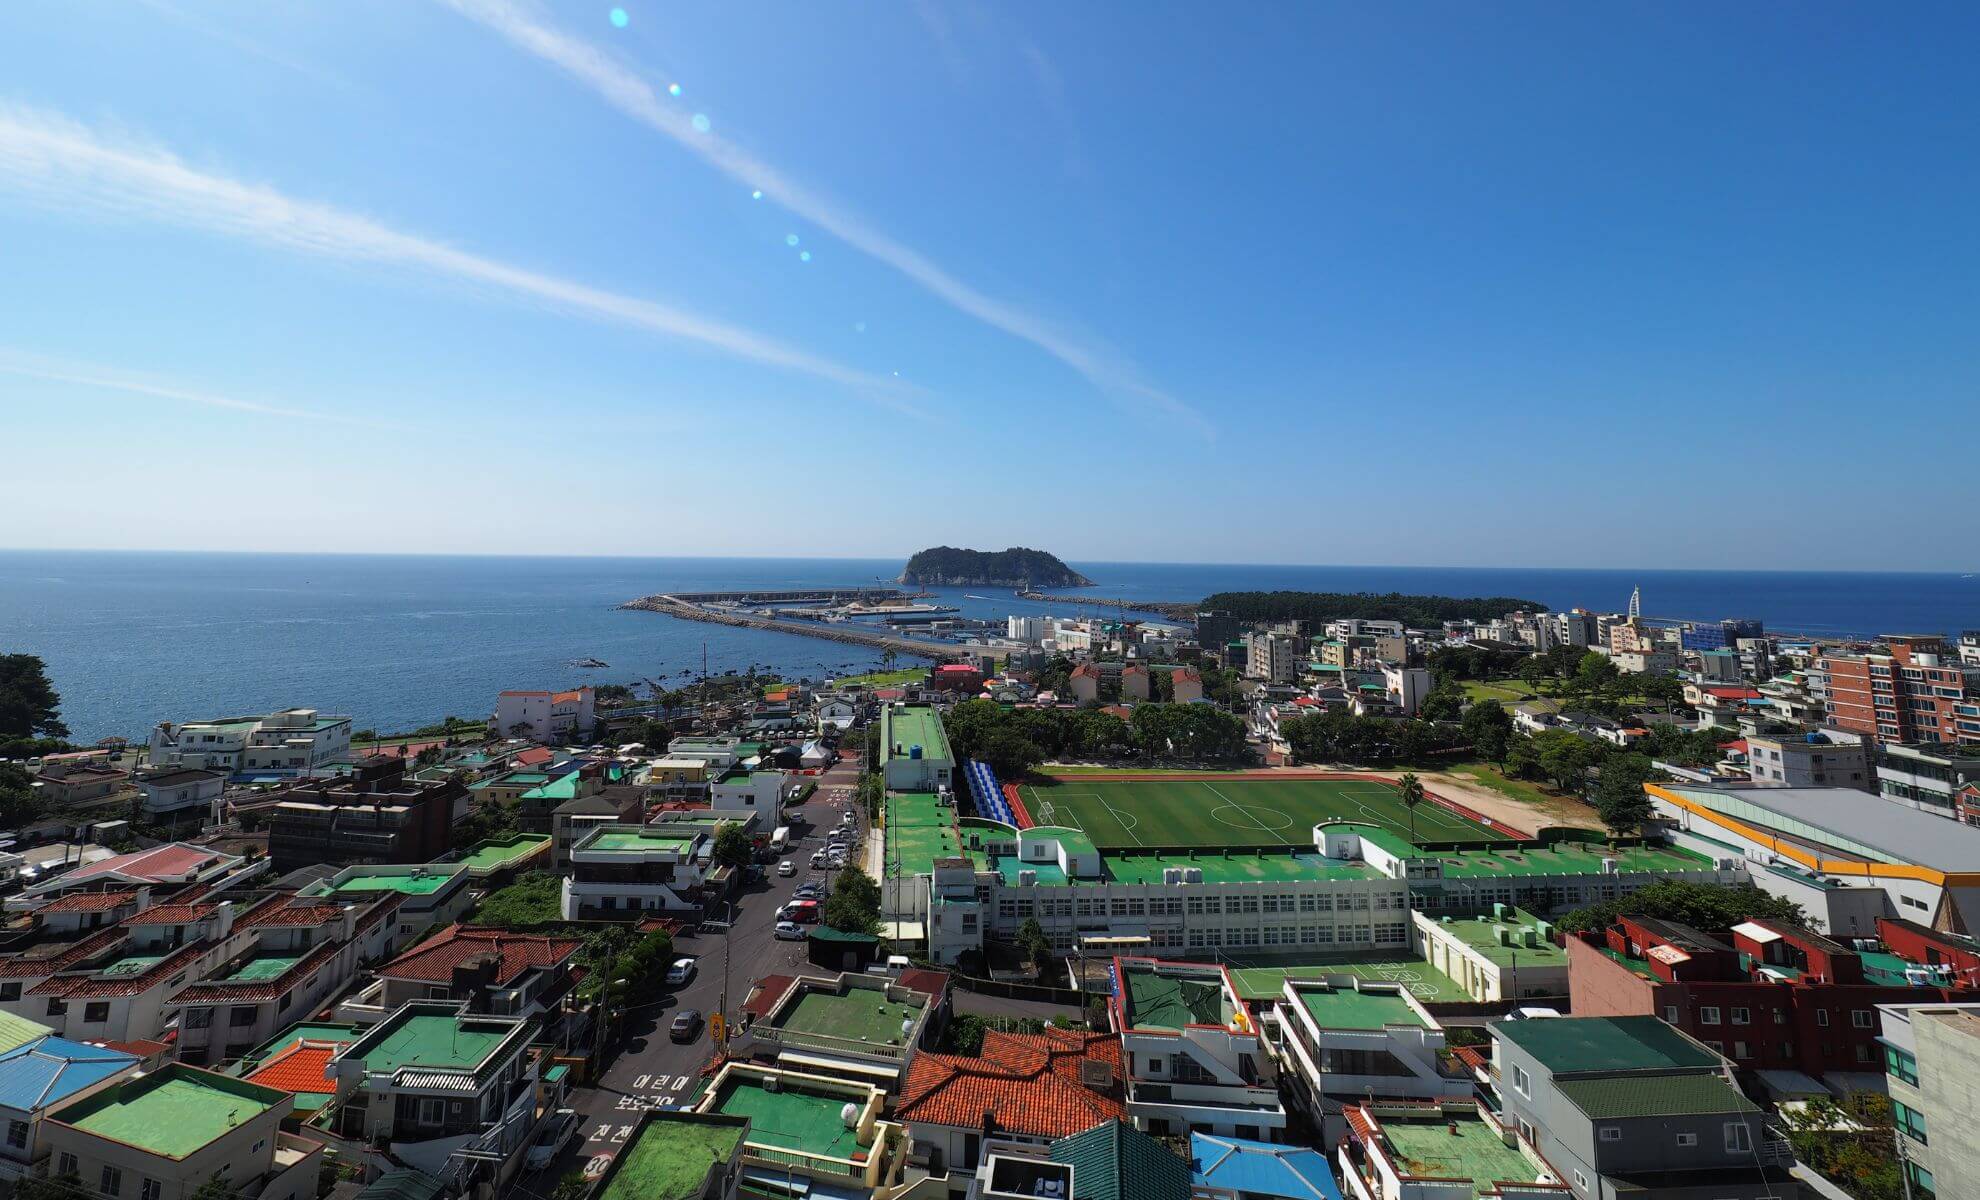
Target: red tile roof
(29, 966)
(290, 915)
(933, 984)
(434, 959)
(215, 991)
(1733, 693)
(101, 987)
(173, 914)
(160, 864)
(89, 902)
(532, 756)
(299, 1068)
(1027, 1084)
(767, 995)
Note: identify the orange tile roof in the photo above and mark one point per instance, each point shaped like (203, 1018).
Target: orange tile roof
(89, 902)
(1028, 1084)
(529, 758)
(290, 915)
(434, 959)
(299, 1068)
(173, 914)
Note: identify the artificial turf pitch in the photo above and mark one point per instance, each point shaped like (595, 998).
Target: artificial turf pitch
(1211, 811)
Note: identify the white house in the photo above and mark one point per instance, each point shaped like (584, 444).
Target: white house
(176, 789)
(293, 741)
(545, 716)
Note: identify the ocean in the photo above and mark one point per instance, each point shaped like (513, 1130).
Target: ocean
(134, 638)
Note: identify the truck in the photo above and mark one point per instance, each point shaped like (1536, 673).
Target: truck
(780, 841)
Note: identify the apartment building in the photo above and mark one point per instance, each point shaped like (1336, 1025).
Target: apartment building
(1506, 955)
(1932, 1065)
(1022, 1089)
(39, 1076)
(1772, 998)
(1629, 1108)
(297, 955)
(292, 742)
(1274, 657)
(377, 813)
(1817, 758)
(429, 894)
(491, 971)
(178, 789)
(1191, 1053)
(1343, 1042)
(1916, 689)
(1446, 1151)
(166, 1134)
(620, 873)
(1930, 776)
(547, 717)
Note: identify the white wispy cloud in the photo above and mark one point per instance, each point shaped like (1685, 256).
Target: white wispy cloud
(27, 365)
(629, 92)
(70, 166)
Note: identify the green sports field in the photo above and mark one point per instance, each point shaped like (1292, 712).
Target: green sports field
(1213, 810)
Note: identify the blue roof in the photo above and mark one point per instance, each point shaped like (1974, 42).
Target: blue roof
(51, 1069)
(1261, 1168)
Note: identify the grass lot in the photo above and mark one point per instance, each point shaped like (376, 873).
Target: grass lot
(880, 679)
(1212, 810)
(1559, 805)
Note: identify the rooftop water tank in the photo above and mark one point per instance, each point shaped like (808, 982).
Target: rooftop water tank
(914, 752)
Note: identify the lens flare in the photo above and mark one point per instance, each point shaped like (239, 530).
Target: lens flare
(790, 239)
(804, 256)
(700, 122)
(673, 89)
(619, 18)
(757, 194)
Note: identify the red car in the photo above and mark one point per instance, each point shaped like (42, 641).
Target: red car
(804, 912)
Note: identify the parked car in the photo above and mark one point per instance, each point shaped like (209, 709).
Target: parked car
(790, 931)
(687, 1023)
(801, 911)
(836, 860)
(809, 891)
(818, 858)
(557, 1133)
(681, 972)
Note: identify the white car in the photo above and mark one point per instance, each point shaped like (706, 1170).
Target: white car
(681, 971)
(790, 931)
(787, 868)
(557, 1134)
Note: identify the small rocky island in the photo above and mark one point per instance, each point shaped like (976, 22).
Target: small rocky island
(947, 566)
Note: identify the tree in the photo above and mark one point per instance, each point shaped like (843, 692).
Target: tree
(1666, 690)
(1534, 671)
(1098, 734)
(1412, 795)
(732, 845)
(1488, 727)
(1445, 702)
(489, 822)
(872, 792)
(30, 708)
(56, 1187)
(534, 899)
(1619, 796)
(1565, 758)
(854, 905)
(1032, 941)
(1522, 759)
(1706, 906)
(1010, 754)
(19, 803)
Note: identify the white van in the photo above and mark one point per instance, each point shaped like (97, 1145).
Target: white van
(780, 841)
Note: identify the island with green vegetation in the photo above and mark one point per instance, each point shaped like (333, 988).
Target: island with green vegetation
(1415, 612)
(948, 566)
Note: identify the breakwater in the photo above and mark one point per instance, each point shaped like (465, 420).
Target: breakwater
(851, 635)
(1168, 608)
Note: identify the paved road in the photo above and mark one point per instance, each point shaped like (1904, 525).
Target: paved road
(652, 1069)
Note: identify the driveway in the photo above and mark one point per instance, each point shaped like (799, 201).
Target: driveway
(650, 1069)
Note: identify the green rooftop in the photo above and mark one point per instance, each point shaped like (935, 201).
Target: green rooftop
(263, 966)
(1425, 982)
(1655, 1095)
(1075, 841)
(911, 727)
(637, 841)
(856, 1015)
(495, 856)
(1349, 1008)
(424, 1039)
(1136, 867)
(795, 1117)
(1481, 935)
(171, 1112)
(132, 964)
(1164, 1000)
(1564, 858)
(669, 1157)
(1571, 1044)
(371, 880)
(1477, 1153)
(919, 831)
(564, 787)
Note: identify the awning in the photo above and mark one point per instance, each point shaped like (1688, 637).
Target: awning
(1790, 1085)
(904, 931)
(838, 1064)
(1758, 933)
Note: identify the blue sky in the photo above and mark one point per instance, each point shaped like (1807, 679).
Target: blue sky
(1439, 284)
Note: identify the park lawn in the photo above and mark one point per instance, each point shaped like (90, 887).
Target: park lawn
(879, 679)
(1506, 691)
(1208, 810)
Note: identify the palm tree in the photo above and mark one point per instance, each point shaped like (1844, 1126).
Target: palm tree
(1412, 795)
